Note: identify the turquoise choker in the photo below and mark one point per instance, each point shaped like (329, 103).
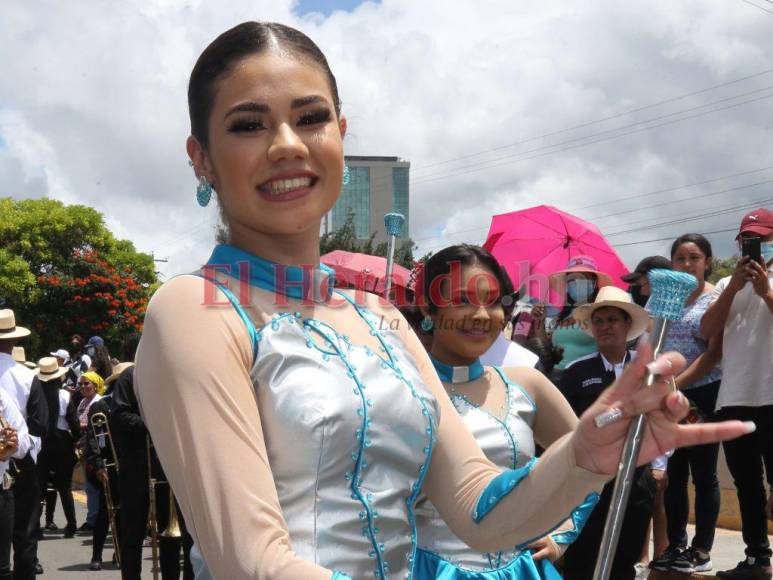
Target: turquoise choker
(463, 374)
(308, 282)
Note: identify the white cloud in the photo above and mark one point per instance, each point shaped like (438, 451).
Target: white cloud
(93, 109)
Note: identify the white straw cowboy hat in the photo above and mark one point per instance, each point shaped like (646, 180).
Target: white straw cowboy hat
(20, 357)
(117, 371)
(613, 296)
(49, 369)
(8, 328)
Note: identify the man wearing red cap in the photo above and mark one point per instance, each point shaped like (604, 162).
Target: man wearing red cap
(742, 311)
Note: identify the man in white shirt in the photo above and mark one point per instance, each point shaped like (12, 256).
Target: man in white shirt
(742, 311)
(18, 383)
(15, 444)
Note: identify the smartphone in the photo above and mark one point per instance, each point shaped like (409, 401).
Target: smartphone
(751, 247)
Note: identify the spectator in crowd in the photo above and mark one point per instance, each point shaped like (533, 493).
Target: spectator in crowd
(581, 280)
(101, 361)
(639, 286)
(691, 253)
(614, 321)
(742, 313)
(548, 354)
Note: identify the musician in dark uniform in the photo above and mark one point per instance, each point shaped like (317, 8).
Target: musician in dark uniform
(614, 321)
(102, 471)
(131, 437)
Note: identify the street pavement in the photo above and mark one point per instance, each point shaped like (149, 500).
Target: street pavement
(68, 559)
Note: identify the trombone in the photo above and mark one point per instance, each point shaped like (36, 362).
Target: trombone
(173, 527)
(101, 430)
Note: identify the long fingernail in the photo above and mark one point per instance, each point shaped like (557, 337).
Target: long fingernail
(608, 417)
(750, 426)
(661, 366)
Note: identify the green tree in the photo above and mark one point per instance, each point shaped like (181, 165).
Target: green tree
(44, 245)
(345, 239)
(722, 267)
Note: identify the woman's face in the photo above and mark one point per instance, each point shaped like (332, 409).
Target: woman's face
(580, 286)
(275, 154)
(88, 389)
(467, 328)
(689, 258)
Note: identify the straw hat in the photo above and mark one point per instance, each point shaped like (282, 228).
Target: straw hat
(20, 357)
(612, 296)
(117, 370)
(584, 265)
(49, 369)
(8, 328)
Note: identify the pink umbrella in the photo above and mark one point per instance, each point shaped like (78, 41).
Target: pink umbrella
(536, 242)
(363, 271)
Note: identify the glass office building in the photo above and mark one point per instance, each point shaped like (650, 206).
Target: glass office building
(377, 185)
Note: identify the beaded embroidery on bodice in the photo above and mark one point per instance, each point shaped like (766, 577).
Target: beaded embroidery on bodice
(349, 433)
(507, 441)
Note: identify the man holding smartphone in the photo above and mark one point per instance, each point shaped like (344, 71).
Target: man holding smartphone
(742, 311)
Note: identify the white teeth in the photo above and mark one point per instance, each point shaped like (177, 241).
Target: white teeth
(280, 186)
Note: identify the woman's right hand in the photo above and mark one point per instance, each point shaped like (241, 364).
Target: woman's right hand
(599, 449)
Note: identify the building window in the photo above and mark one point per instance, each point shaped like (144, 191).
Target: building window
(355, 196)
(400, 194)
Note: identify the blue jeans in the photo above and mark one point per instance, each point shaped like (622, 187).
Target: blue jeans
(92, 503)
(701, 461)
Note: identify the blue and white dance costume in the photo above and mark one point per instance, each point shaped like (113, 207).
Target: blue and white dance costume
(349, 431)
(508, 441)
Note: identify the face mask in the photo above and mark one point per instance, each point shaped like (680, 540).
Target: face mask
(639, 298)
(580, 290)
(766, 249)
(90, 350)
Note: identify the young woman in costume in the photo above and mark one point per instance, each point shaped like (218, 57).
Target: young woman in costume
(298, 425)
(509, 412)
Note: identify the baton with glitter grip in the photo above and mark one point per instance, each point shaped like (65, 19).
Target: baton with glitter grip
(669, 292)
(394, 227)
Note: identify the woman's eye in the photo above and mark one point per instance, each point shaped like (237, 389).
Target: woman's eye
(314, 117)
(246, 125)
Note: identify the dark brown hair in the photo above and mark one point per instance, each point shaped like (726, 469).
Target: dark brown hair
(241, 41)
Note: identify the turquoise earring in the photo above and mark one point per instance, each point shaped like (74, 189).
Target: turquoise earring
(347, 175)
(427, 324)
(203, 191)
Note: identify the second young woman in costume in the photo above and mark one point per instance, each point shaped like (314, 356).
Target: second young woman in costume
(509, 411)
(295, 427)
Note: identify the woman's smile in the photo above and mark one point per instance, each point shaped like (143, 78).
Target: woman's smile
(288, 186)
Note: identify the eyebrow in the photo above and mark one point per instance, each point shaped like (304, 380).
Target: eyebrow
(255, 107)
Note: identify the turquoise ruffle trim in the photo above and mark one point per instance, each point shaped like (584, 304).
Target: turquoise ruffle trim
(499, 487)
(428, 566)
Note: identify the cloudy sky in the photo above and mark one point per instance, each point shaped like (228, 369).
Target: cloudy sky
(651, 119)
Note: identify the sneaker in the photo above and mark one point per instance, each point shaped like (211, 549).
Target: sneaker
(38, 569)
(664, 561)
(51, 526)
(691, 560)
(749, 569)
(95, 565)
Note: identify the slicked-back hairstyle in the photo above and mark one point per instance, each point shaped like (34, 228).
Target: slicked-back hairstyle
(241, 41)
(703, 245)
(439, 264)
